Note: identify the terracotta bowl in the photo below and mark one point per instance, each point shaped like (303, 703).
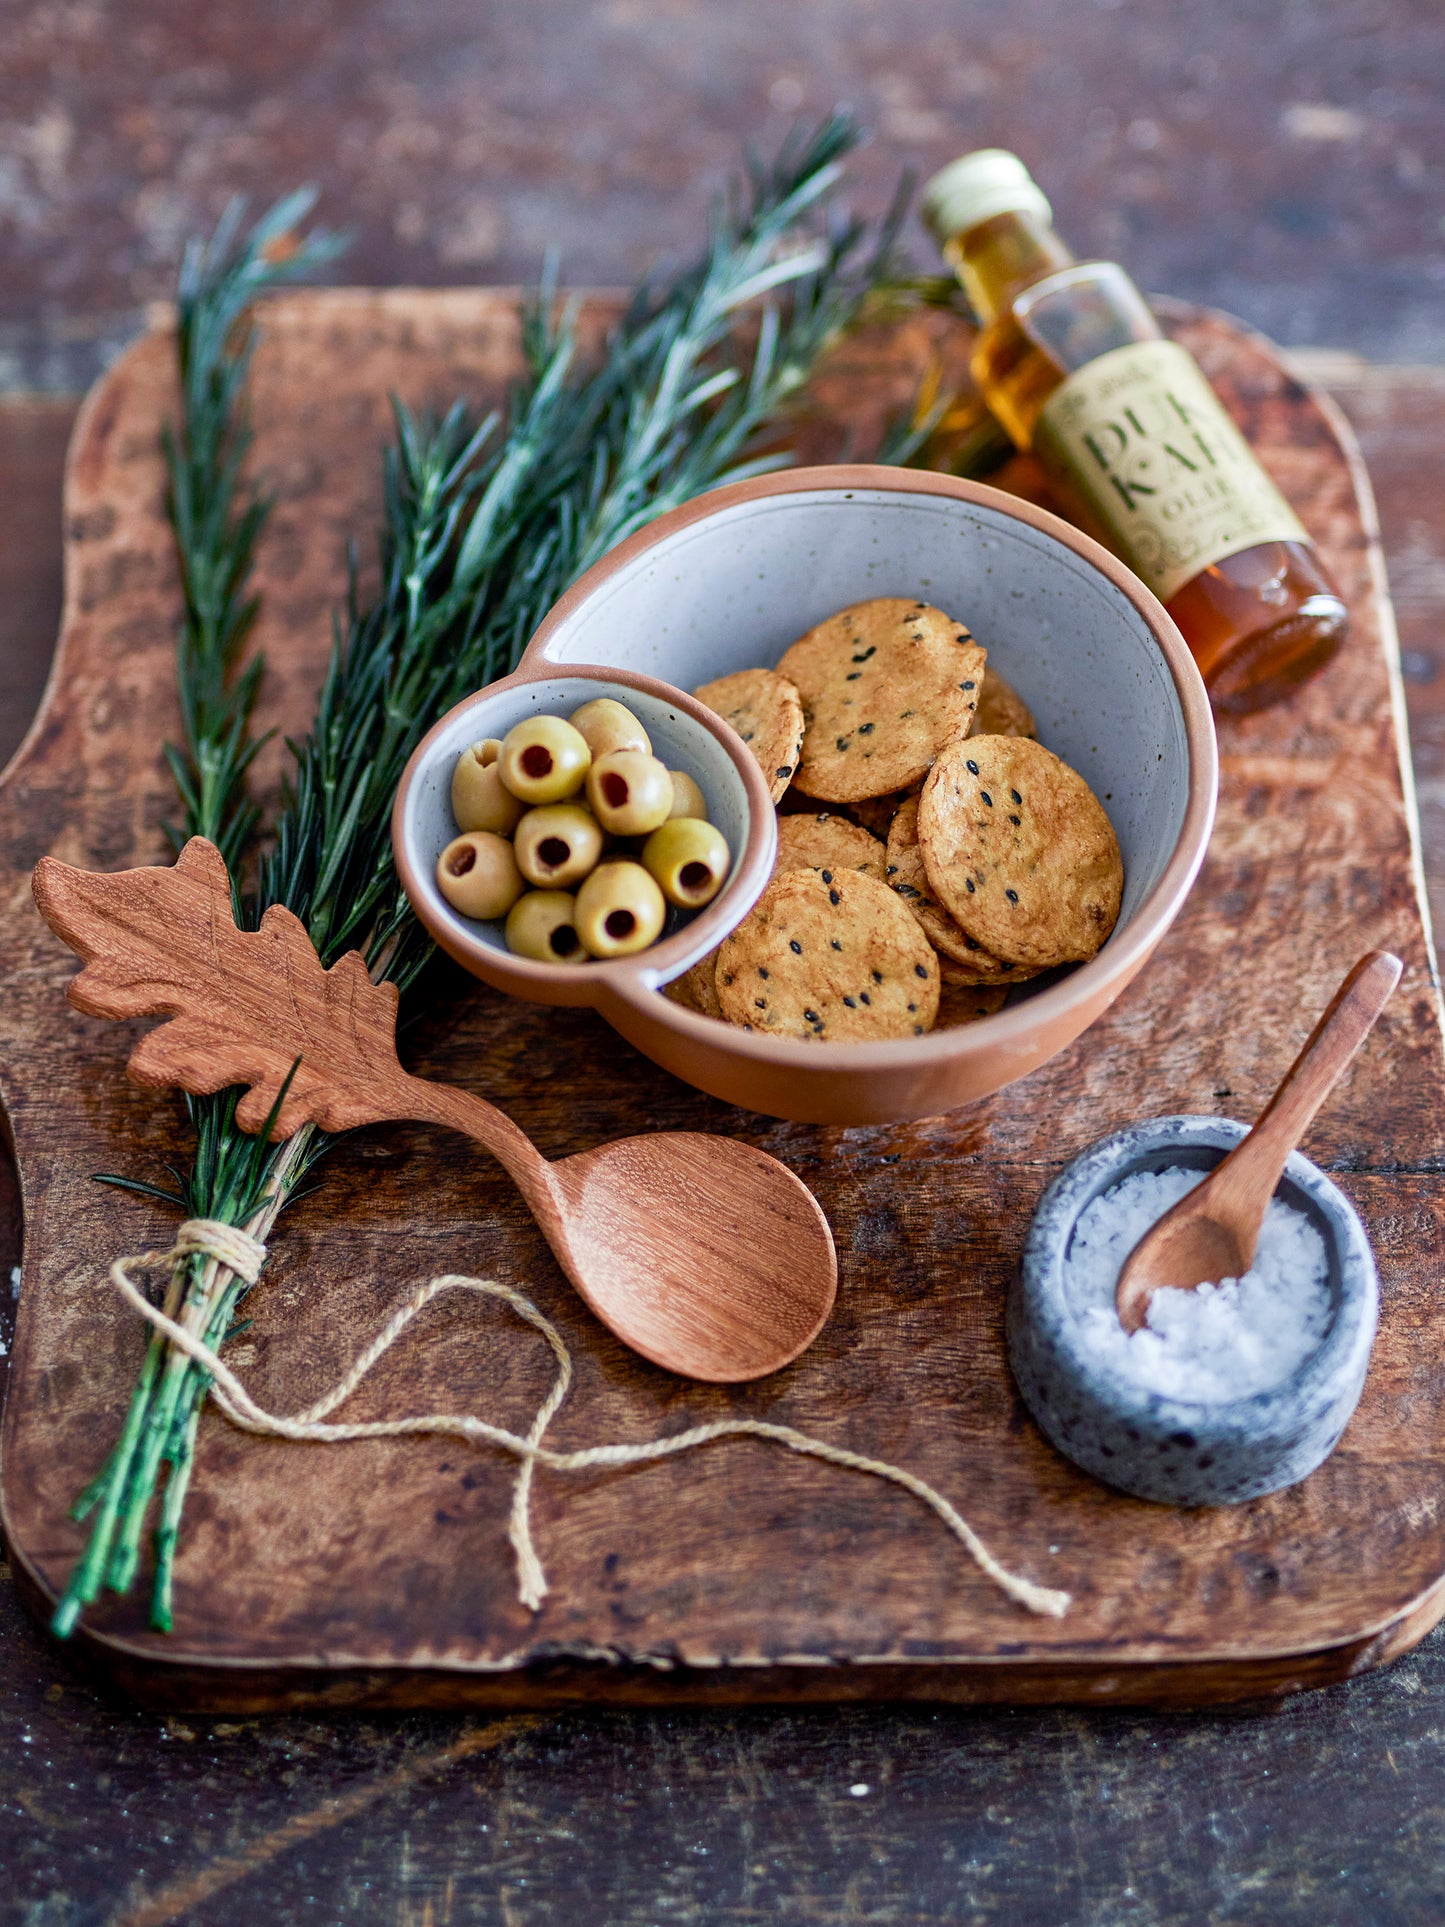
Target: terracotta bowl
(728, 582)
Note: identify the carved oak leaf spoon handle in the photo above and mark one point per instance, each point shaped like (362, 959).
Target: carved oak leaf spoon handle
(703, 1254)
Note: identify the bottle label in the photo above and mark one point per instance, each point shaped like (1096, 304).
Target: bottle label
(1144, 442)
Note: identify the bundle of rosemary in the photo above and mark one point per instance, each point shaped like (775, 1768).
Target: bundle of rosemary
(485, 523)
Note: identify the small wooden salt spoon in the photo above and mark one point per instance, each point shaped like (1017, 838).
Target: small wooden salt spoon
(706, 1256)
(1213, 1230)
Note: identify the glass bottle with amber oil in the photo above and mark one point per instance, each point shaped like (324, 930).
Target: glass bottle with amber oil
(1133, 438)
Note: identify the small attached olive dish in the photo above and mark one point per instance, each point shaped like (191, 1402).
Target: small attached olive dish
(728, 582)
(684, 736)
(1186, 1452)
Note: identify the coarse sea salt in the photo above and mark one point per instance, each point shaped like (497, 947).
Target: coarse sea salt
(1224, 1341)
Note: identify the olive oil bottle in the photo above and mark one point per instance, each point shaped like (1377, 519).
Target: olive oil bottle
(1132, 437)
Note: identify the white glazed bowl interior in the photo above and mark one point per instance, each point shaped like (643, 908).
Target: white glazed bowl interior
(733, 589)
(427, 823)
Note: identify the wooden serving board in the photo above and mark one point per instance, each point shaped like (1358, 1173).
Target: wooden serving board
(378, 1573)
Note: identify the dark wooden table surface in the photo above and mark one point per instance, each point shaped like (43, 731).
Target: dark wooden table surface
(1284, 163)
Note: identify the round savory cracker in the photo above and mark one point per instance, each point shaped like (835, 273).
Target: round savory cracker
(960, 977)
(968, 960)
(696, 989)
(1020, 851)
(767, 712)
(966, 1003)
(885, 684)
(1001, 710)
(876, 813)
(823, 840)
(841, 962)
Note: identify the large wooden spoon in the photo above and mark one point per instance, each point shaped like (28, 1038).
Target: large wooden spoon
(707, 1256)
(1213, 1230)
(700, 1252)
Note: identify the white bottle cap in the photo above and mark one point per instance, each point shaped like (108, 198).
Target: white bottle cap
(976, 188)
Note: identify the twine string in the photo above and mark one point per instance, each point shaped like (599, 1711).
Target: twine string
(245, 1255)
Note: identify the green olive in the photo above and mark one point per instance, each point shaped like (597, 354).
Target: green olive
(557, 845)
(478, 875)
(689, 859)
(479, 799)
(629, 793)
(543, 925)
(609, 725)
(543, 760)
(687, 798)
(619, 910)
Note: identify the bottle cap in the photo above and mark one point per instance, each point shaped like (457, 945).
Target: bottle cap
(976, 188)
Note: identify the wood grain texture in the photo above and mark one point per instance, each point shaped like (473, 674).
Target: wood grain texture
(705, 1255)
(727, 1574)
(1399, 417)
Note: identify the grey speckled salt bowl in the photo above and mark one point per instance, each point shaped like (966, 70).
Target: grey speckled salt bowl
(1178, 1451)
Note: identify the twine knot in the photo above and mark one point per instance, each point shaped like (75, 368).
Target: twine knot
(228, 1244)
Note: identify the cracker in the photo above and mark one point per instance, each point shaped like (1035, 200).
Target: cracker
(968, 960)
(959, 976)
(823, 840)
(696, 989)
(1001, 710)
(885, 685)
(767, 712)
(1019, 851)
(840, 961)
(966, 1003)
(876, 813)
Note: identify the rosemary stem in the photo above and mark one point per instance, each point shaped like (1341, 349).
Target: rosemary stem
(169, 1525)
(181, 1454)
(85, 1580)
(213, 1292)
(156, 1429)
(116, 1476)
(86, 1500)
(112, 1468)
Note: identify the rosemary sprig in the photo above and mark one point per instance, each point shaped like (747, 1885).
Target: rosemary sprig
(216, 514)
(484, 525)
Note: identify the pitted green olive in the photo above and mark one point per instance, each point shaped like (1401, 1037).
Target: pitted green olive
(478, 875)
(629, 793)
(687, 798)
(557, 845)
(609, 725)
(689, 859)
(543, 760)
(480, 800)
(619, 910)
(543, 925)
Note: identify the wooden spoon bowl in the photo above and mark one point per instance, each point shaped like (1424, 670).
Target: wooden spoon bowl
(703, 1254)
